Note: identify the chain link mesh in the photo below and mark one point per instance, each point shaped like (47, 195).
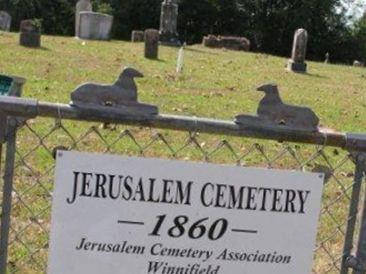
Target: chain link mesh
(38, 140)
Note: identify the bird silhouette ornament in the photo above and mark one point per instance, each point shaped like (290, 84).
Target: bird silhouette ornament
(273, 111)
(121, 96)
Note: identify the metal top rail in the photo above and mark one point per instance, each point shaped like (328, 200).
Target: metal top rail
(30, 108)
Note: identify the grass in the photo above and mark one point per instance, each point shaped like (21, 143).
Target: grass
(215, 83)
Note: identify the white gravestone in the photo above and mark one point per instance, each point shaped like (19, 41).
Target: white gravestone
(5, 21)
(114, 214)
(180, 60)
(95, 26)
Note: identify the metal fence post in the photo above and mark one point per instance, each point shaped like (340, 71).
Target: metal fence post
(7, 194)
(353, 210)
(359, 262)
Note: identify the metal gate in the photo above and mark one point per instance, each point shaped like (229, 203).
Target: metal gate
(33, 131)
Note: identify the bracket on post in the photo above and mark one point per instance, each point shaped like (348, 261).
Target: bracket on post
(355, 142)
(357, 261)
(12, 88)
(354, 263)
(120, 97)
(273, 112)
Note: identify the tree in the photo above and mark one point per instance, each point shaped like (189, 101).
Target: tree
(359, 39)
(134, 15)
(196, 18)
(269, 24)
(272, 24)
(199, 18)
(57, 15)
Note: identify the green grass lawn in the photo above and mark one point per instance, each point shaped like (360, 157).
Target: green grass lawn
(215, 84)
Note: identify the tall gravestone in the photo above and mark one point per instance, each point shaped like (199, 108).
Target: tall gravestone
(168, 23)
(151, 43)
(30, 34)
(82, 5)
(5, 20)
(297, 61)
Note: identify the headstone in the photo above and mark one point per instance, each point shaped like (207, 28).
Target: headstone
(137, 36)
(151, 43)
(168, 23)
(180, 60)
(30, 34)
(359, 64)
(95, 26)
(5, 21)
(327, 58)
(228, 42)
(82, 5)
(297, 61)
(211, 41)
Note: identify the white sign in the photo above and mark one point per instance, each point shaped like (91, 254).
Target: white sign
(124, 215)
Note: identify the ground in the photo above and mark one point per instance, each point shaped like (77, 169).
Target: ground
(215, 84)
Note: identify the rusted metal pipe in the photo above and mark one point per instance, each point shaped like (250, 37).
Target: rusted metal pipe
(32, 108)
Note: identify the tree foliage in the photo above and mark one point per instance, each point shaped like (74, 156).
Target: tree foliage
(269, 24)
(57, 15)
(359, 38)
(273, 23)
(134, 15)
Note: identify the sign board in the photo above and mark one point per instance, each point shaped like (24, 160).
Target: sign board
(114, 214)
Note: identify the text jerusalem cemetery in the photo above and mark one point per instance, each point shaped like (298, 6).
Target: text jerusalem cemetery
(182, 137)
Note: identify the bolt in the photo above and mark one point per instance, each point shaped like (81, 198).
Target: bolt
(353, 262)
(12, 122)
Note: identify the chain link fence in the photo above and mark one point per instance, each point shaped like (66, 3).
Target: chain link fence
(38, 140)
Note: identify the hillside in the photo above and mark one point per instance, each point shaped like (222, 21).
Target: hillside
(215, 83)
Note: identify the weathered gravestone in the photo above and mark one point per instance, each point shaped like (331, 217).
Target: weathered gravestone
(297, 61)
(30, 34)
(82, 5)
(359, 64)
(95, 26)
(228, 42)
(168, 23)
(151, 43)
(137, 36)
(5, 21)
